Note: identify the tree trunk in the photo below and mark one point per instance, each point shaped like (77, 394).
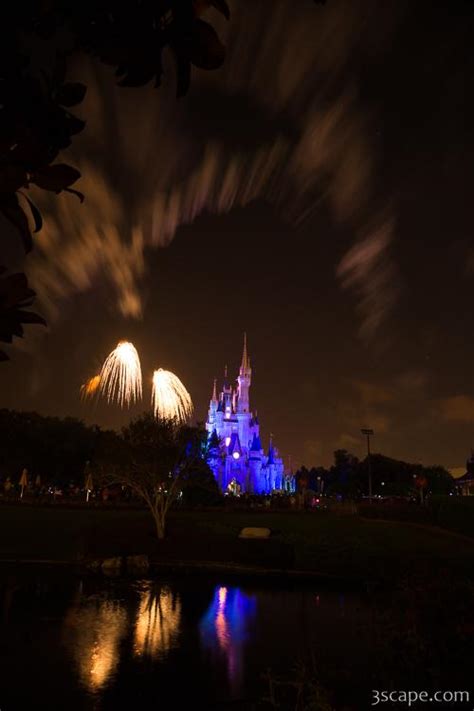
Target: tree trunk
(160, 526)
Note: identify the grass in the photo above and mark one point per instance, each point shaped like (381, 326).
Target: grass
(345, 547)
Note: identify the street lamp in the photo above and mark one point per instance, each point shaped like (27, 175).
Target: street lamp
(368, 433)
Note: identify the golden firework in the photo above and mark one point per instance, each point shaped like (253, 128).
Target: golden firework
(121, 375)
(90, 387)
(170, 399)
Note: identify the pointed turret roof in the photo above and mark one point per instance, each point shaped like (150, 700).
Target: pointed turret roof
(234, 444)
(245, 365)
(214, 391)
(214, 440)
(256, 445)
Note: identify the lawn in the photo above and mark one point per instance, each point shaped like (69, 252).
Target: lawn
(346, 547)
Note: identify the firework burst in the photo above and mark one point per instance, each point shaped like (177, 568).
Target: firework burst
(90, 387)
(121, 375)
(170, 399)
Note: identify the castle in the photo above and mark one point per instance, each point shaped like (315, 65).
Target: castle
(236, 456)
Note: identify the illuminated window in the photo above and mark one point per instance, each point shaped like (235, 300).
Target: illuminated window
(236, 455)
(227, 441)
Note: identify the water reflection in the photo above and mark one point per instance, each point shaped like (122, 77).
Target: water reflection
(157, 622)
(225, 628)
(95, 630)
(122, 644)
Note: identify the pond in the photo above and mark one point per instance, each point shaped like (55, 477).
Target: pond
(71, 642)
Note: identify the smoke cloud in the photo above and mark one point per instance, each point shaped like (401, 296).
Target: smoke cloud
(151, 163)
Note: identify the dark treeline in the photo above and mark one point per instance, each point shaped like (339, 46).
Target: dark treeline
(349, 477)
(58, 450)
(54, 449)
(64, 453)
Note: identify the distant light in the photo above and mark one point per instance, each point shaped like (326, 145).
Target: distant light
(227, 441)
(383, 483)
(236, 455)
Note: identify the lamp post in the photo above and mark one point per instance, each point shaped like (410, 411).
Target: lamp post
(368, 433)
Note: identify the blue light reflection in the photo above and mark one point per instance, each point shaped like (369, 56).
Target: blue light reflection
(226, 626)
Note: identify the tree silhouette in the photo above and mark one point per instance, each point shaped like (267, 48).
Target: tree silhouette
(157, 460)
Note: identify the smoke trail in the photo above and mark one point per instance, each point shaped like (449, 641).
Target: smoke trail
(368, 269)
(77, 245)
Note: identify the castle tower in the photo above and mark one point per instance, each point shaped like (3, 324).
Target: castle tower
(244, 380)
(213, 406)
(227, 396)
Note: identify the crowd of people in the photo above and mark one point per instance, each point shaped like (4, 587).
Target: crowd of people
(11, 490)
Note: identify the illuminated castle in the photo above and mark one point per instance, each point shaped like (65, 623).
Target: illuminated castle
(236, 456)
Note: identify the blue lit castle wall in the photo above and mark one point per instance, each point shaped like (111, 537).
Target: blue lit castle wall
(237, 457)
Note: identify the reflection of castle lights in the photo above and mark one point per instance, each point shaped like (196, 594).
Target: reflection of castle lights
(225, 628)
(221, 624)
(157, 623)
(222, 596)
(227, 441)
(236, 455)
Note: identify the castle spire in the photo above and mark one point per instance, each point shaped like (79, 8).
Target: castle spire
(214, 391)
(245, 366)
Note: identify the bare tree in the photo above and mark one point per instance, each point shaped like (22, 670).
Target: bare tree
(155, 459)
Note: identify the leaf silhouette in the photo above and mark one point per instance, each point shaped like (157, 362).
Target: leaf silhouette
(12, 177)
(36, 214)
(11, 209)
(206, 50)
(15, 295)
(71, 93)
(223, 7)
(56, 177)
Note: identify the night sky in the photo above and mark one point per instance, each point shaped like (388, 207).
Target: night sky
(316, 192)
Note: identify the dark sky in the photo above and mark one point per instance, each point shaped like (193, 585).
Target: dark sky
(315, 193)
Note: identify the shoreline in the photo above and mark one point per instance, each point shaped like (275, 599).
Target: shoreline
(188, 567)
(322, 549)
